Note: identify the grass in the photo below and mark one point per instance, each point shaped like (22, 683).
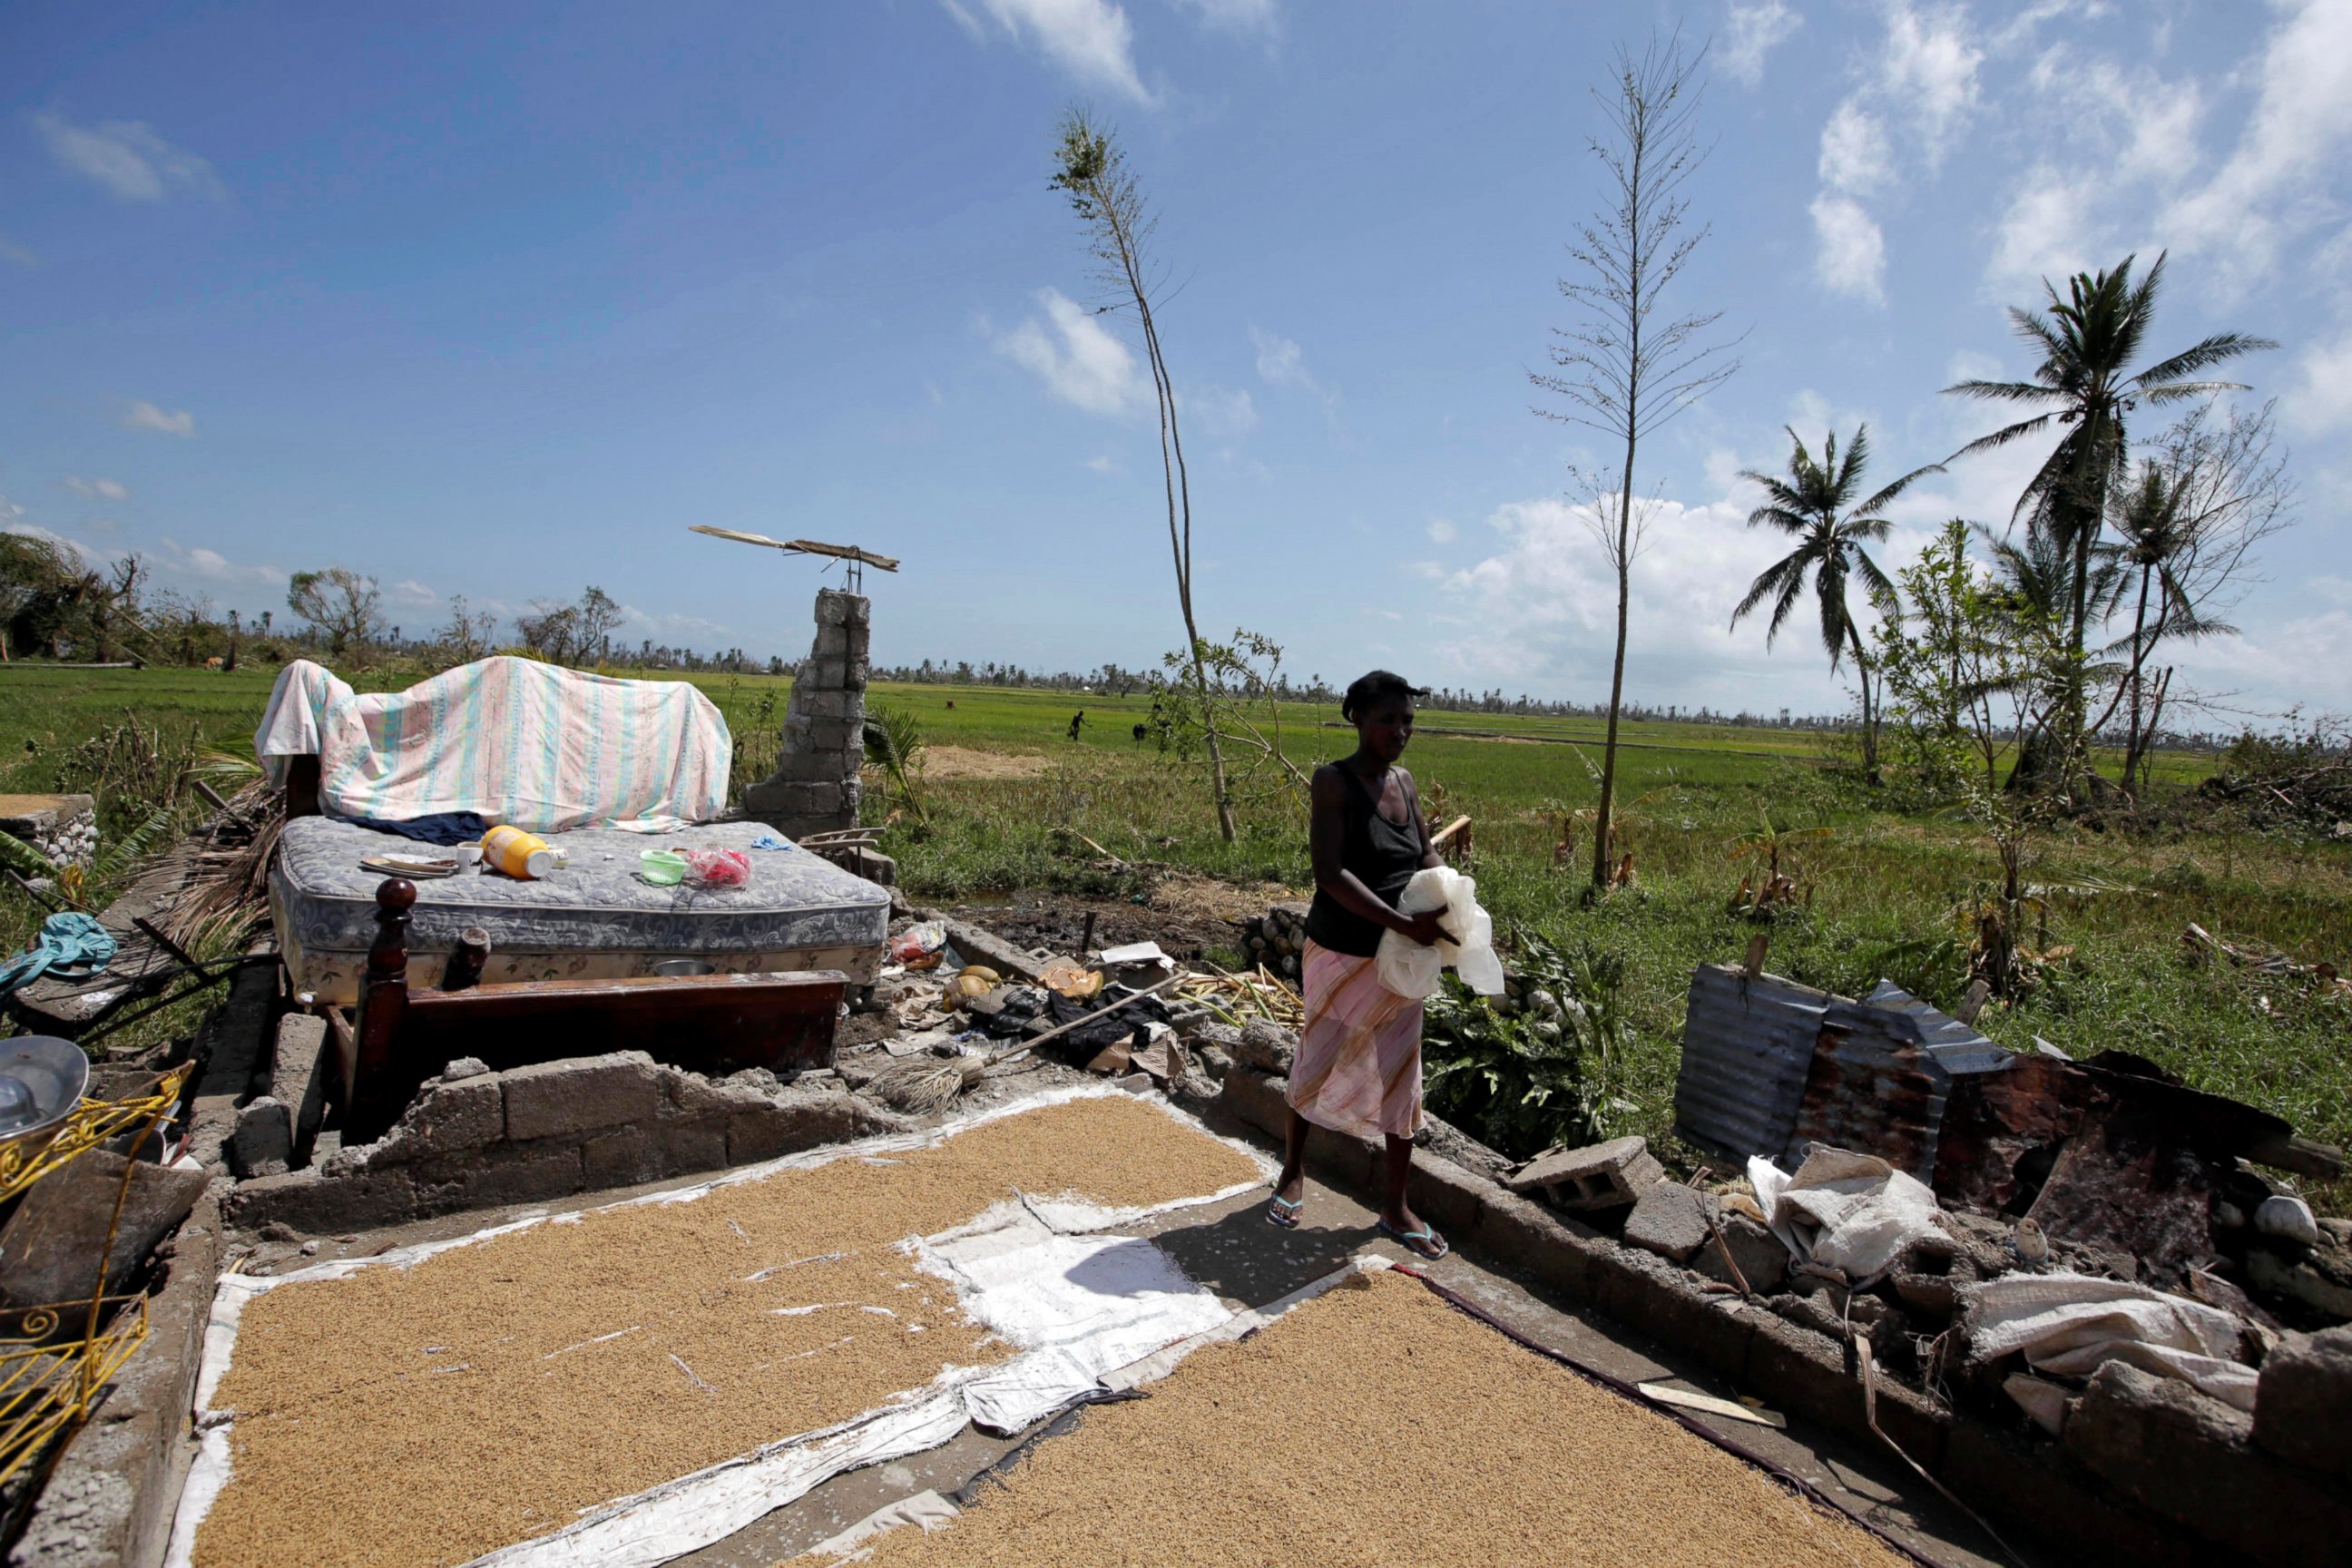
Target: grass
(1884, 884)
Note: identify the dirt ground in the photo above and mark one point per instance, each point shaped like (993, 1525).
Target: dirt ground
(1187, 916)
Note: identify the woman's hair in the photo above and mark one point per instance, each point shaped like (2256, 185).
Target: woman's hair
(1379, 686)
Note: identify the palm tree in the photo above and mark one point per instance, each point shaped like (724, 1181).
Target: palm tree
(2088, 342)
(2162, 537)
(1815, 506)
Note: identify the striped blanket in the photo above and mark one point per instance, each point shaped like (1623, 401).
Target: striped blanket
(512, 739)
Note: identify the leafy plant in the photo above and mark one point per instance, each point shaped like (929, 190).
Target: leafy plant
(1539, 1069)
(894, 748)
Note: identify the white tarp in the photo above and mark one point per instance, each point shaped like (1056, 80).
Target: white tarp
(1853, 1213)
(1409, 969)
(1078, 1305)
(2071, 1325)
(1018, 1265)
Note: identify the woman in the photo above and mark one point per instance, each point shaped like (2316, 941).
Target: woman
(1358, 1068)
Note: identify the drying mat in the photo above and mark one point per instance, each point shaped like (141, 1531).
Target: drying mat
(1378, 1426)
(702, 1355)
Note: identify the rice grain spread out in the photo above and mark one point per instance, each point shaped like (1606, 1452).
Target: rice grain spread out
(1375, 1426)
(491, 1393)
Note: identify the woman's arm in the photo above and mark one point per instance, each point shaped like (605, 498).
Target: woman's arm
(1429, 858)
(1327, 832)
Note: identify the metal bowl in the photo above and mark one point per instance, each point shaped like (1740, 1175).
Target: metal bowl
(41, 1080)
(673, 968)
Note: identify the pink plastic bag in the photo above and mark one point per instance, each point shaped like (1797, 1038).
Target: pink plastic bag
(718, 868)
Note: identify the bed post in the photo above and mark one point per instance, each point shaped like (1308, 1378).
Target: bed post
(466, 960)
(384, 1004)
(303, 780)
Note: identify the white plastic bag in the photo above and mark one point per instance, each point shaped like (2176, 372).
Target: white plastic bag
(1845, 1210)
(1412, 970)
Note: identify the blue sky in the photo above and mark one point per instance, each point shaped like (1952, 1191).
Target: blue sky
(499, 301)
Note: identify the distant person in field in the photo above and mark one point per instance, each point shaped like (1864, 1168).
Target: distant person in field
(1358, 1069)
(1076, 721)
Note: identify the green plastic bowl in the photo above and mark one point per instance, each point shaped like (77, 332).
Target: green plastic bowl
(663, 868)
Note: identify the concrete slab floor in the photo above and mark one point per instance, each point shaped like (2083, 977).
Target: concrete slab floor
(1231, 1250)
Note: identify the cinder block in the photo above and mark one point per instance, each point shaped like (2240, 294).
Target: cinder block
(581, 1094)
(628, 1155)
(2303, 1407)
(299, 1076)
(1518, 1234)
(1670, 1220)
(263, 1143)
(2191, 1458)
(1602, 1176)
(506, 1173)
(318, 1206)
(1446, 1195)
(447, 1119)
(1763, 1261)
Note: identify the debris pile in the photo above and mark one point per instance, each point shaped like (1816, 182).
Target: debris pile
(2008, 1228)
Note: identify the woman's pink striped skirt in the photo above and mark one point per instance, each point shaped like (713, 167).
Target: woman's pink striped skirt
(1358, 1065)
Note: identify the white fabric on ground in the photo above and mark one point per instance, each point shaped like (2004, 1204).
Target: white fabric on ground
(2071, 1325)
(1078, 1305)
(511, 739)
(1853, 1213)
(1410, 970)
(929, 1510)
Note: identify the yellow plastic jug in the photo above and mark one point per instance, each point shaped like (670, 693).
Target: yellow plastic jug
(519, 853)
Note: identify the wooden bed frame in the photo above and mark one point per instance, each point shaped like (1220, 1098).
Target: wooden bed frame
(709, 1023)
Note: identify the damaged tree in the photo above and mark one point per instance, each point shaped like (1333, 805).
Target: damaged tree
(1090, 168)
(1622, 373)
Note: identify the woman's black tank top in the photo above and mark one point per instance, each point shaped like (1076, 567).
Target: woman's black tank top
(1382, 854)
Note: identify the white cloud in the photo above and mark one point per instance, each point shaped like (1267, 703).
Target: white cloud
(1542, 610)
(1929, 68)
(1441, 530)
(2049, 230)
(211, 566)
(1090, 39)
(12, 251)
(145, 416)
(1081, 360)
(96, 488)
(1104, 463)
(1850, 252)
(1279, 361)
(9, 511)
(2322, 401)
(1855, 156)
(1221, 412)
(2276, 181)
(409, 591)
(129, 159)
(1751, 31)
(1243, 19)
(680, 628)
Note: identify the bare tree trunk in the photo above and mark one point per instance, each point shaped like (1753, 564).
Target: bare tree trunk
(1601, 825)
(1180, 503)
(1869, 712)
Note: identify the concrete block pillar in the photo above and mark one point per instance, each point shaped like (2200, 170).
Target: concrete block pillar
(815, 788)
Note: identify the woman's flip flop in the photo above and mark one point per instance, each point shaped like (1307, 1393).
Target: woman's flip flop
(1283, 1213)
(1420, 1241)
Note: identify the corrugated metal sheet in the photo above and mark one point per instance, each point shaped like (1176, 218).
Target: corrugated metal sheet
(1748, 1046)
(1770, 1065)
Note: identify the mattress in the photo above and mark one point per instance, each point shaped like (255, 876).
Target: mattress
(597, 919)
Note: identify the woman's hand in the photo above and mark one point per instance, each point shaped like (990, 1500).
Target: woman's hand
(1424, 929)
